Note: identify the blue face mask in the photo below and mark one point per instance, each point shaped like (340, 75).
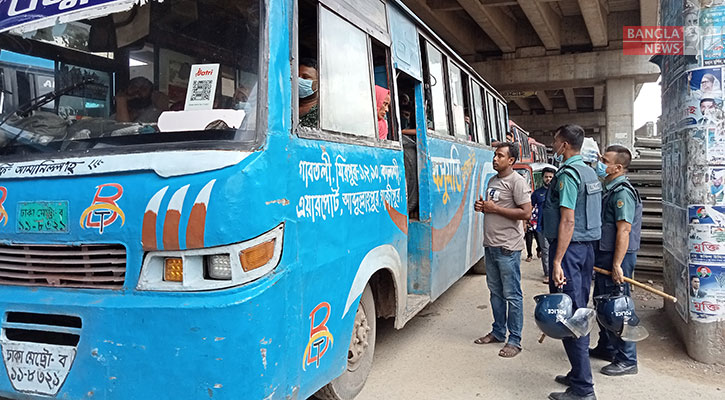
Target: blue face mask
(601, 169)
(305, 87)
(558, 157)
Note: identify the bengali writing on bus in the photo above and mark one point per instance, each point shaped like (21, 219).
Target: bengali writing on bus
(342, 178)
(37, 368)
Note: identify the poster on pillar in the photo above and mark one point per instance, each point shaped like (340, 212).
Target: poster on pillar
(706, 290)
(716, 184)
(712, 33)
(697, 189)
(715, 145)
(704, 97)
(706, 234)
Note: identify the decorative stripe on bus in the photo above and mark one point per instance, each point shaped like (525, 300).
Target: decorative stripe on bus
(195, 227)
(173, 217)
(197, 218)
(148, 232)
(399, 219)
(442, 236)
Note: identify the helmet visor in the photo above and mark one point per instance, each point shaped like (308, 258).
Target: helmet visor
(582, 322)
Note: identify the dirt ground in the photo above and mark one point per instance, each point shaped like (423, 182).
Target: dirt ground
(434, 357)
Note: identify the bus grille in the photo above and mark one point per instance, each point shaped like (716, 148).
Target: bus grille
(95, 266)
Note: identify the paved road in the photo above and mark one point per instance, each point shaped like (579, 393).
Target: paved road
(434, 357)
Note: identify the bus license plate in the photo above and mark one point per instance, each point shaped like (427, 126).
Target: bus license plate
(42, 216)
(37, 368)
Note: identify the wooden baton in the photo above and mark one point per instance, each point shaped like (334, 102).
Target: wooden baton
(640, 285)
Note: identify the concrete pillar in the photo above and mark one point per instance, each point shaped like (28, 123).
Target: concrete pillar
(692, 197)
(620, 112)
(602, 138)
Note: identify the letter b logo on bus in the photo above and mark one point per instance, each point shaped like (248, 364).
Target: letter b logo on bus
(104, 210)
(320, 337)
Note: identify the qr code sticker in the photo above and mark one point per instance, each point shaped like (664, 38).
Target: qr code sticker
(201, 90)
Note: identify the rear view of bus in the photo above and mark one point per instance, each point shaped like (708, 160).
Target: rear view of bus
(134, 262)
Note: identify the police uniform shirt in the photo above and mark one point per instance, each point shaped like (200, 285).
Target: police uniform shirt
(568, 185)
(621, 205)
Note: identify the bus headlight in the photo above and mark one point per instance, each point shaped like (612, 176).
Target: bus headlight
(218, 266)
(212, 268)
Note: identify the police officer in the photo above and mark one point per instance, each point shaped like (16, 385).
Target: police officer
(572, 223)
(621, 228)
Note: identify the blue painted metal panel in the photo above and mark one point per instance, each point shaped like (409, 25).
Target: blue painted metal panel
(449, 237)
(459, 173)
(406, 53)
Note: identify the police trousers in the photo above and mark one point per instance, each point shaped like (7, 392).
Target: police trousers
(578, 266)
(609, 343)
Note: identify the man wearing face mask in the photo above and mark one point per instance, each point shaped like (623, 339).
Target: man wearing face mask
(307, 87)
(135, 104)
(621, 228)
(571, 221)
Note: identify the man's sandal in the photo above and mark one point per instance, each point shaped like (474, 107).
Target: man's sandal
(489, 338)
(509, 351)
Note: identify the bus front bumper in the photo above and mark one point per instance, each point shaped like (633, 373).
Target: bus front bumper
(136, 345)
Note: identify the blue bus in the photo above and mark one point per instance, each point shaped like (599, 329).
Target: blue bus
(220, 198)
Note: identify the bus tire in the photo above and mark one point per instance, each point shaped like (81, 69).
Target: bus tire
(479, 268)
(360, 354)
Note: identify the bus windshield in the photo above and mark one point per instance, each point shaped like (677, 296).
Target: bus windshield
(176, 71)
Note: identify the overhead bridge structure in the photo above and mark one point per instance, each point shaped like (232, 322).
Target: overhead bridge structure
(556, 61)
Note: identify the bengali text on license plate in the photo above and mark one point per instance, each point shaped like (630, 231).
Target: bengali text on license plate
(36, 367)
(43, 216)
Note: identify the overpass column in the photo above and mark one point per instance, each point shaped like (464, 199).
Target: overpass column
(693, 198)
(620, 113)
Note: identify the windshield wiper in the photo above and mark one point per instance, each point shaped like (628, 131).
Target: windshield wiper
(35, 103)
(39, 101)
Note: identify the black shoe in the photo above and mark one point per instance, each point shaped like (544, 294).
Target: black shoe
(617, 368)
(601, 355)
(563, 379)
(570, 395)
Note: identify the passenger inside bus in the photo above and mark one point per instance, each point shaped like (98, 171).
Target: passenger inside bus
(135, 103)
(308, 82)
(382, 100)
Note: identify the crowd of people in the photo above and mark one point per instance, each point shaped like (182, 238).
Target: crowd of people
(583, 216)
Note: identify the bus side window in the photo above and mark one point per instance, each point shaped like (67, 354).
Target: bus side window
(458, 105)
(502, 119)
(493, 126)
(384, 114)
(467, 117)
(435, 89)
(347, 104)
(307, 70)
(479, 115)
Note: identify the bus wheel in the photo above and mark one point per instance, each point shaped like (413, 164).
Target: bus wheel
(359, 354)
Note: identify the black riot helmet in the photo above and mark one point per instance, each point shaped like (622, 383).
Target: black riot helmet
(554, 316)
(616, 313)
